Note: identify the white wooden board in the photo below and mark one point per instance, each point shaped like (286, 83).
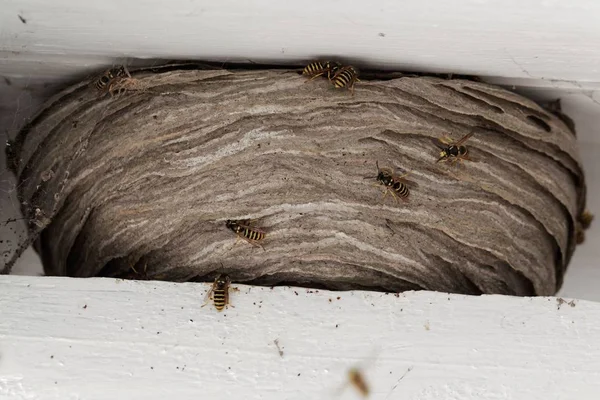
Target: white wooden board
(63, 338)
(547, 39)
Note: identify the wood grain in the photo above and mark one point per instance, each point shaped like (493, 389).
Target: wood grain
(105, 338)
(147, 179)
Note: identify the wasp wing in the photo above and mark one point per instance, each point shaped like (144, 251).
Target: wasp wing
(249, 224)
(208, 298)
(387, 171)
(439, 143)
(468, 158)
(407, 182)
(464, 138)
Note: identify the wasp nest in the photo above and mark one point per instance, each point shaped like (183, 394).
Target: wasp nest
(140, 183)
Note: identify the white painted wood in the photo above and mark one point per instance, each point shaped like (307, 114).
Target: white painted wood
(547, 39)
(63, 338)
(582, 279)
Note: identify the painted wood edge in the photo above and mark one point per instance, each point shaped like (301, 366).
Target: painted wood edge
(106, 338)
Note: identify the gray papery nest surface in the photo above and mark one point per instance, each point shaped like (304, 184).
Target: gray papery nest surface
(144, 181)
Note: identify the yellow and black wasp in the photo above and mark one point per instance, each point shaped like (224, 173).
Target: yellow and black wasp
(319, 68)
(582, 223)
(140, 275)
(453, 151)
(219, 293)
(244, 229)
(109, 76)
(346, 77)
(357, 379)
(586, 219)
(115, 79)
(396, 185)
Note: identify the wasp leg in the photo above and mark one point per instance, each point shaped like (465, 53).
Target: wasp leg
(460, 161)
(252, 242)
(315, 77)
(465, 158)
(456, 160)
(126, 71)
(451, 160)
(110, 89)
(392, 192)
(351, 88)
(227, 297)
(116, 87)
(209, 296)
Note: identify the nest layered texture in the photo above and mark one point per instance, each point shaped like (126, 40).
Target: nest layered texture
(145, 180)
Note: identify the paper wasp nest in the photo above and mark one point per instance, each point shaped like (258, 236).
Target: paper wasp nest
(145, 180)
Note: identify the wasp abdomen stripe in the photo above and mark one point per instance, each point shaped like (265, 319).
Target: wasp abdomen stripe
(343, 79)
(219, 299)
(108, 76)
(401, 189)
(253, 235)
(313, 68)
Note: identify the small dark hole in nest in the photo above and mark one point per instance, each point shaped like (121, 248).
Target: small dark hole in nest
(539, 122)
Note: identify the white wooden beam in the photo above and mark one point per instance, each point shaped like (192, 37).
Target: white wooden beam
(63, 338)
(537, 39)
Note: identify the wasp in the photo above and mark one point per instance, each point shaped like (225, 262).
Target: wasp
(586, 219)
(138, 275)
(112, 79)
(555, 108)
(453, 151)
(244, 230)
(345, 77)
(109, 76)
(357, 379)
(583, 222)
(219, 293)
(318, 68)
(396, 185)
